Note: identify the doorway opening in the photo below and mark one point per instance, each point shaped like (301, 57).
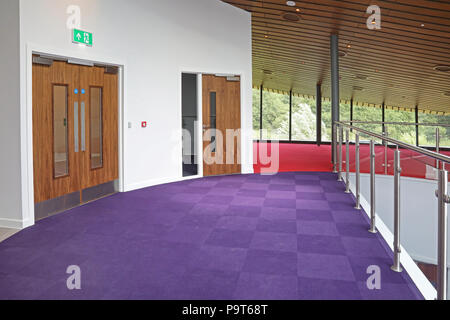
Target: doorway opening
(75, 133)
(189, 102)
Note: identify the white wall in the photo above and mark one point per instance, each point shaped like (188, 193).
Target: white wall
(10, 186)
(155, 40)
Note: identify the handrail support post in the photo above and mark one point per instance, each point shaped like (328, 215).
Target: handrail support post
(397, 247)
(341, 134)
(357, 173)
(373, 228)
(347, 161)
(334, 147)
(443, 200)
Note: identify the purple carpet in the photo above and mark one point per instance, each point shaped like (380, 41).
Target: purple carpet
(289, 236)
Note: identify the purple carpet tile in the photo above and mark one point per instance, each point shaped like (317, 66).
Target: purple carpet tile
(284, 237)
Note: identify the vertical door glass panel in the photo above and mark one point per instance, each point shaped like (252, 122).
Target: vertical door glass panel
(96, 137)
(60, 131)
(213, 119)
(189, 124)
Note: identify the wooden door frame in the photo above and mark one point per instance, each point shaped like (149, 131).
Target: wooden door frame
(26, 121)
(199, 141)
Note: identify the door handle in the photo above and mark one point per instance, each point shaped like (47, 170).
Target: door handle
(83, 127)
(75, 125)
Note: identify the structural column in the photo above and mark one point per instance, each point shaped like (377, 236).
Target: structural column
(334, 90)
(417, 126)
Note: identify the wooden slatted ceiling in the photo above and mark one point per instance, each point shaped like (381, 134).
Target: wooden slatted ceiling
(398, 59)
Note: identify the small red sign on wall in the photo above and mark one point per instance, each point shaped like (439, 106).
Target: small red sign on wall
(144, 124)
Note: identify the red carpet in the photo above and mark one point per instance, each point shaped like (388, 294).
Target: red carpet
(309, 157)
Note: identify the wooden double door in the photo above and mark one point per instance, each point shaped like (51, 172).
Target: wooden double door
(221, 125)
(75, 128)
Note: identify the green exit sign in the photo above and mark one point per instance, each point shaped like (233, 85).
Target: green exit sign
(82, 37)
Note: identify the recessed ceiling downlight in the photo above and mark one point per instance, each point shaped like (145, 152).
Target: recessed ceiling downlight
(291, 17)
(442, 68)
(290, 3)
(342, 54)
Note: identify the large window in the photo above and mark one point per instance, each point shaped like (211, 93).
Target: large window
(344, 111)
(304, 119)
(256, 113)
(361, 113)
(403, 133)
(275, 116)
(427, 135)
(276, 120)
(327, 127)
(344, 114)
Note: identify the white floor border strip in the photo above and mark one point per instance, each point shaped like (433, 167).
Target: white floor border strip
(420, 280)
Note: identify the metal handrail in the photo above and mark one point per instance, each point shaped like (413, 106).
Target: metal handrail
(441, 193)
(432, 154)
(400, 123)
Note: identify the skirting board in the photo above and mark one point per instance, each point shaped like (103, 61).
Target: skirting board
(156, 182)
(423, 284)
(14, 224)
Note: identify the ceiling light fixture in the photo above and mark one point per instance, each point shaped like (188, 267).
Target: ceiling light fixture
(442, 68)
(290, 3)
(361, 77)
(291, 17)
(342, 54)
